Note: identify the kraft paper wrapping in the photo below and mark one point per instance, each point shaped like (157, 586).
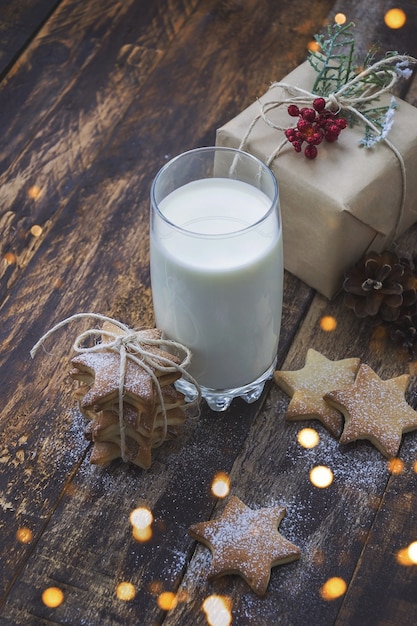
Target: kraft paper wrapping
(344, 202)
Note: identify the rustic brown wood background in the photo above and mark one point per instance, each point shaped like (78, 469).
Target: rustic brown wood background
(94, 97)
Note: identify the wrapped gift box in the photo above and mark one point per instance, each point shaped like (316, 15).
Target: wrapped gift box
(344, 202)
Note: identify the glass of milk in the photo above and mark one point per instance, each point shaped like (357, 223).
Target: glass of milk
(217, 269)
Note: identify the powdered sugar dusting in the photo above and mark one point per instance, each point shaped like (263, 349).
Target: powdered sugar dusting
(376, 409)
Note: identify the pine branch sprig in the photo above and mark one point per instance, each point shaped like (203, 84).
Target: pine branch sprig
(338, 70)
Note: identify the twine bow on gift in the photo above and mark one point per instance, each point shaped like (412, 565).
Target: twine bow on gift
(131, 345)
(350, 98)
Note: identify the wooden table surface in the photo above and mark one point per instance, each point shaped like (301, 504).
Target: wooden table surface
(94, 98)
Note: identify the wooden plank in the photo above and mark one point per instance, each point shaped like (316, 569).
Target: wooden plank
(382, 590)
(14, 452)
(333, 540)
(19, 22)
(70, 88)
(57, 285)
(177, 489)
(395, 526)
(62, 283)
(331, 525)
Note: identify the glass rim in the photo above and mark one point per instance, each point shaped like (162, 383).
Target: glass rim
(236, 151)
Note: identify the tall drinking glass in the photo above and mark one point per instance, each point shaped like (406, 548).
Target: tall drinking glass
(217, 269)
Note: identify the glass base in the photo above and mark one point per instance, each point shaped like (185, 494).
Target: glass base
(220, 400)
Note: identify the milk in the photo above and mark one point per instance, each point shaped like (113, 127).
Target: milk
(218, 290)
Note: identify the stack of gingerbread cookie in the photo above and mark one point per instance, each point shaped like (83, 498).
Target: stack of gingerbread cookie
(152, 410)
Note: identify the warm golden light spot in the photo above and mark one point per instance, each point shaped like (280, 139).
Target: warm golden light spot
(141, 517)
(125, 591)
(321, 476)
(405, 557)
(167, 600)
(221, 485)
(313, 46)
(10, 258)
(340, 18)
(395, 18)
(52, 597)
(333, 588)
(328, 323)
(141, 520)
(412, 552)
(24, 535)
(142, 534)
(36, 230)
(308, 438)
(395, 466)
(218, 610)
(34, 192)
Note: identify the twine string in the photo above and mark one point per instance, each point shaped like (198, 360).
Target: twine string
(337, 101)
(131, 345)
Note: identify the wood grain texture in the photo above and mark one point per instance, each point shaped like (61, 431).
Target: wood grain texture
(20, 20)
(104, 95)
(331, 526)
(72, 90)
(98, 219)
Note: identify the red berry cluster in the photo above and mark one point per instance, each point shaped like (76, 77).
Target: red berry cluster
(313, 126)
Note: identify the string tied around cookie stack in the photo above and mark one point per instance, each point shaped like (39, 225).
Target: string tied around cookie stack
(131, 345)
(350, 97)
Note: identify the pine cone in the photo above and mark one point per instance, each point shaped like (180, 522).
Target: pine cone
(404, 332)
(380, 287)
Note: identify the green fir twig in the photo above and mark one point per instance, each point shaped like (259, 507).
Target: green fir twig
(333, 61)
(336, 66)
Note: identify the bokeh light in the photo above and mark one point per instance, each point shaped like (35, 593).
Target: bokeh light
(218, 610)
(141, 520)
(142, 535)
(10, 258)
(125, 591)
(220, 486)
(328, 323)
(412, 552)
(313, 46)
(395, 466)
(333, 588)
(395, 18)
(36, 230)
(321, 476)
(24, 535)
(340, 18)
(141, 517)
(52, 597)
(167, 600)
(408, 556)
(308, 438)
(34, 192)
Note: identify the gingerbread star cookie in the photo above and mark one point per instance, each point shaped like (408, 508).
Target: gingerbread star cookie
(308, 386)
(376, 410)
(101, 370)
(151, 411)
(246, 542)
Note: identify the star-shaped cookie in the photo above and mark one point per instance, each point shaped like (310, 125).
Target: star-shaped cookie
(375, 409)
(101, 371)
(246, 542)
(308, 385)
